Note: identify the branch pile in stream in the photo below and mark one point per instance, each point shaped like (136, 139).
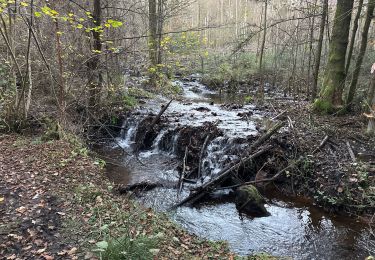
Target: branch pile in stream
(250, 155)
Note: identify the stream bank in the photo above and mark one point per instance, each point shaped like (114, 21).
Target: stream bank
(56, 203)
(324, 171)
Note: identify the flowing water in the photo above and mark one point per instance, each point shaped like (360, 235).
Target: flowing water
(295, 228)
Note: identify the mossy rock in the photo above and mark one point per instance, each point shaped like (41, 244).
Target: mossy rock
(250, 201)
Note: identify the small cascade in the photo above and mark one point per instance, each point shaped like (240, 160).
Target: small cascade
(218, 154)
(123, 129)
(212, 161)
(175, 143)
(156, 145)
(127, 133)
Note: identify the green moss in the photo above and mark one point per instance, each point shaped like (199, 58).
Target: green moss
(323, 106)
(253, 193)
(129, 101)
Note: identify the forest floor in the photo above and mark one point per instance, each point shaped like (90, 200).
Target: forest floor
(56, 203)
(337, 159)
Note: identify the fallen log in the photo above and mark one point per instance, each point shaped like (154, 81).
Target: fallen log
(157, 118)
(145, 186)
(275, 177)
(266, 136)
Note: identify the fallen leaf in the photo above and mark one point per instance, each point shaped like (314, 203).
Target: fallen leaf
(17, 237)
(41, 251)
(12, 257)
(72, 251)
(32, 233)
(154, 251)
(38, 242)
(89, 255)
(48, 257)
(2, 199)
(64, 252)
(21, 210)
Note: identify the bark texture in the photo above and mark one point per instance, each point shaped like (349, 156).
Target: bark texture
(330, 96)
(362, 52)
(319, 50)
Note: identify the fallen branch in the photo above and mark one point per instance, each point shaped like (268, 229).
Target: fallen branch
(276, 176)
(157, 118)
(351, 153)
(182, 175)
(266, 136)
(279, 115)
(322, 143)
(144, 186)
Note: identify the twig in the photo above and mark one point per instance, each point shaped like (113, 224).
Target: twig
(352, 155)
(279, 115)
(182, 175)
(322, 143)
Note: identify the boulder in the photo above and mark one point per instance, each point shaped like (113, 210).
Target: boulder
(248, 200)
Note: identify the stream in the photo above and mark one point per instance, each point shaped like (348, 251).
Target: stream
(296, 228)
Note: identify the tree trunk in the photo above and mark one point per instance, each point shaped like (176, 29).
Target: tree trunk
(362, 52)
(314, 90)
(160, 30)
(94, 63)
(261, 65)
(59, 57)
(152, 40)
(354, 33)
(28, 61)
(312, 27)
(371, 123)
(330, 97)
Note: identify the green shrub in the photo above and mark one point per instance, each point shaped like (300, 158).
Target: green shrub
(129, 101)
(127, 248)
